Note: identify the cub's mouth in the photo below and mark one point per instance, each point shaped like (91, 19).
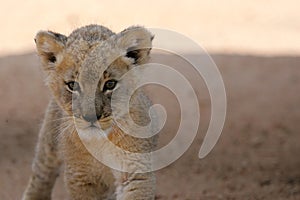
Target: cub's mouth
(101, 124)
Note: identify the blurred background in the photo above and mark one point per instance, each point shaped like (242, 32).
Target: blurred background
(259, 27)
(254, 43)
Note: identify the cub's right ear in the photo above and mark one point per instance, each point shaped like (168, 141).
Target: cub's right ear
(49, 46)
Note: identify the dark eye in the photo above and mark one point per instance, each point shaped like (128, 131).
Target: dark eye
(109, 85)
(73, 86)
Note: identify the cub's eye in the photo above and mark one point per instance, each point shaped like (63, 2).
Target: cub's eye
(110, 85)
(73, 86)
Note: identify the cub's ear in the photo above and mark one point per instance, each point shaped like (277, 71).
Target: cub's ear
(137, 42)
(49, 46)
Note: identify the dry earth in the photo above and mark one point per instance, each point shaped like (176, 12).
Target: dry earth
(257, 156)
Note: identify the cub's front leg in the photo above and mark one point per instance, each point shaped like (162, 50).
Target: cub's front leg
(45, 167)
(138, 186)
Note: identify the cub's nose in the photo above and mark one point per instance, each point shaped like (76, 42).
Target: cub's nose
(91, 118)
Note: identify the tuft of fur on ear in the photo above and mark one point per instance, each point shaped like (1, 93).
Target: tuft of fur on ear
(137, 42)
(49, 46)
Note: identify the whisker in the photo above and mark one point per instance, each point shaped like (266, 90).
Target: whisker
(62, 130)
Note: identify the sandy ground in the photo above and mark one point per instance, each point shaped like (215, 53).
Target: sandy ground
(257, 156)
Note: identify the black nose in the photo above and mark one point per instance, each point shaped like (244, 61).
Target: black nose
(91, 118)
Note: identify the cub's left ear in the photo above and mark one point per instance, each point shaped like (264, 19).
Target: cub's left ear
(137, 42)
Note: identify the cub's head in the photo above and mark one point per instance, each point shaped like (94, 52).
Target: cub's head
(84, 69)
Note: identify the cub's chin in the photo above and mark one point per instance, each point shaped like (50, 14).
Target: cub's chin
(93, 132)
(98, 129)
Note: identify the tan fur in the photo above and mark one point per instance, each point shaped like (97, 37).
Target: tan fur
(91, 55)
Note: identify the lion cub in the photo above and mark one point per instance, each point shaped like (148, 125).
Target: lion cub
(82, 72)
